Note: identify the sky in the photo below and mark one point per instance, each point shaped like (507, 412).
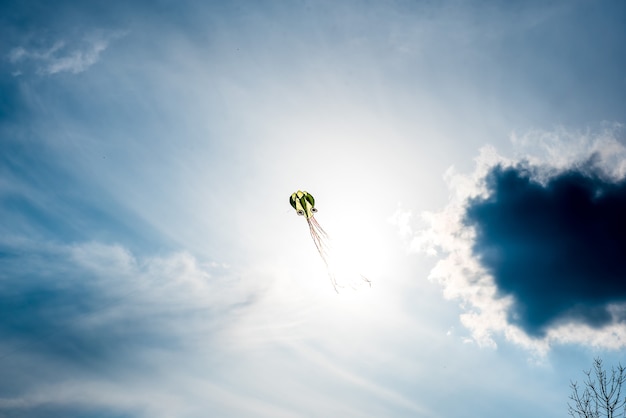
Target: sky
(467, 157)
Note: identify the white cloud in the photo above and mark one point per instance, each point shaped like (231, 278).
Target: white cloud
(176, 281)
(76, 61)
(64, 56)
(460, 274)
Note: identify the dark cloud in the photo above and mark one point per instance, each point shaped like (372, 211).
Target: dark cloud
(558, 245)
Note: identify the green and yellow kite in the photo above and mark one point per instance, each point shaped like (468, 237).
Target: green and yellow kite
(304, 204)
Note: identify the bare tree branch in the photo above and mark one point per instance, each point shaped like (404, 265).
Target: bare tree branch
(602, 394)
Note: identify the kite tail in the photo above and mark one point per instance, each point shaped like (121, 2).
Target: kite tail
(321, 240)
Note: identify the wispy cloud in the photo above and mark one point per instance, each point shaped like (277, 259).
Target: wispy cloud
(63, 56)
(72, 310)
(533, 247)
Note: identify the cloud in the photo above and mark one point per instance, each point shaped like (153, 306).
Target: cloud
(63, 56)
(75, 297)
(533, 246)
(78, 315)
(92, 329)
(559, 248)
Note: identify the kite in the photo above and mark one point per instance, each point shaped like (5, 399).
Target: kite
(304, 204)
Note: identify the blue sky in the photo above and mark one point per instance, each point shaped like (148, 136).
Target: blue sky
(468, 157)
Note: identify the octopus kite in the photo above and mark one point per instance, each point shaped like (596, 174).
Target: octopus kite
(304, 204)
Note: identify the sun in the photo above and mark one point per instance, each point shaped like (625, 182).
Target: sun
(351, 246)
(358, 248)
